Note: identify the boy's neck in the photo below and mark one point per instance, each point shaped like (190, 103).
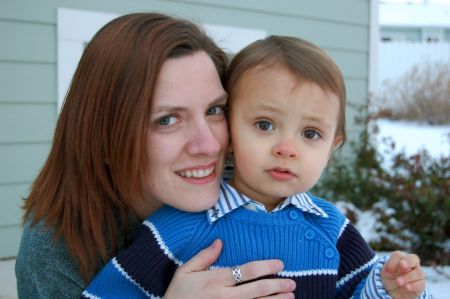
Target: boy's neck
(270, 203)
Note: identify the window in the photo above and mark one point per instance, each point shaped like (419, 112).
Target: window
(76, 28)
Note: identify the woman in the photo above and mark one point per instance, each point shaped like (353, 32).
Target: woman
(129, 139)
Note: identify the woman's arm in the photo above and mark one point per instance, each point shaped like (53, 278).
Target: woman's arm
(44, 268)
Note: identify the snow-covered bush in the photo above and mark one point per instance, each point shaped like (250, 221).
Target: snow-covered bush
(409, 204)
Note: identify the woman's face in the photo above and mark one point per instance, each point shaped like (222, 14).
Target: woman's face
(187, 135)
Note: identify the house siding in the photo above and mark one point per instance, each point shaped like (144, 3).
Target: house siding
(28, 66)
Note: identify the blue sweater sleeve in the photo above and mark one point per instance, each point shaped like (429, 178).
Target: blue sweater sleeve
(374, 288)
(113, 282)
(359, 270)
(356, 261)
(145, 269)
(131, 273)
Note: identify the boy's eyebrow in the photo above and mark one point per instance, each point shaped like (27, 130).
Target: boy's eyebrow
(318, 119)
(266, 107)
(222, 99)
(321, 120)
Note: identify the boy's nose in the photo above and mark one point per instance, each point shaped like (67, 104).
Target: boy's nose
(285, 149)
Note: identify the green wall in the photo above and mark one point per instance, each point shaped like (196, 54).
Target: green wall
(28, 64)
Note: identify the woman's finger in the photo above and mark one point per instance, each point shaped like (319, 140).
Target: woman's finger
(253, 270)
(202, 260)
(279, 296)
(264, 288)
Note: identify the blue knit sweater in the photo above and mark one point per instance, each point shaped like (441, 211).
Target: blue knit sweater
(327, 257)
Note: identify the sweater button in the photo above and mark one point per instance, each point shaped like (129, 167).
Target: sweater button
(329, 253)
(293, 215)
(310, 234)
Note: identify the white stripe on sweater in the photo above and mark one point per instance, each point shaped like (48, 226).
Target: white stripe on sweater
(349, 276)
(125, 274)
(89, 295)
(344, 225)
(161, 243)
(313, 272)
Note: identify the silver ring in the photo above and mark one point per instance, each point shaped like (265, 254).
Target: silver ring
(237, 275)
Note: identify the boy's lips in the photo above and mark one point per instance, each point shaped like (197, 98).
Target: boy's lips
(281, 173)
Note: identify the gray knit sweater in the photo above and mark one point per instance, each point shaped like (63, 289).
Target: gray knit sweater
(45, 269)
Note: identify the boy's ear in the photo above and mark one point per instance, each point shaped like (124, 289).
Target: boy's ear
(337, 142)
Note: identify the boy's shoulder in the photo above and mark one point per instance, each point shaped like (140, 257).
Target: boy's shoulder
(170, 220)
(335, 221)
(329, 208)
(175, 229)
(175, 214)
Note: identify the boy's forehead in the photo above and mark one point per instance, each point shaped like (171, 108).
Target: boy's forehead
(295, 76)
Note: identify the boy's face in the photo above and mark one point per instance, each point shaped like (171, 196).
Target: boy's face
(282, 133)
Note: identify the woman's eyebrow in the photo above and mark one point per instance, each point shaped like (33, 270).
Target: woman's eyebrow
(170, 109)
(222, 99)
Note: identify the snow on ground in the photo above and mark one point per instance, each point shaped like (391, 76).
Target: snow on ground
(438, 281)
(412, 137)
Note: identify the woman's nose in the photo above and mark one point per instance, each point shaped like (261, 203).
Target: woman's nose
(285, 149)
(204, 140)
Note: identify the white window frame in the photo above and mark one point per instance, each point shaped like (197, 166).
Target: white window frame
(76, 27)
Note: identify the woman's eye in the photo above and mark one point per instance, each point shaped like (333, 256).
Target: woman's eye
(311, 134)
(215, 110)
(264, 125)
(167, 121)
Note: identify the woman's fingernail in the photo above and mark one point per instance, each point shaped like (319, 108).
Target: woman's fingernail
(215, 244)
(279, 265)
(291, 285)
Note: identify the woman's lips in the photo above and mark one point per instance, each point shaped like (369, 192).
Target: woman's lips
(198, 175)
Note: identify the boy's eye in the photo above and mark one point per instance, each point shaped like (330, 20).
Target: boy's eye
(264, 125)
(215, 110)
(168, 120)
(311, 134)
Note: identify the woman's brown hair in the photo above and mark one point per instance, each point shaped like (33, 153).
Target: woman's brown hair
(303, 58)
(93, 174)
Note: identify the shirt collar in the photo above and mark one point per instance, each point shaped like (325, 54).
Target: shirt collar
(230, 199)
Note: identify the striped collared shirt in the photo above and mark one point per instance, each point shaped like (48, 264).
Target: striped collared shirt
(230, 199)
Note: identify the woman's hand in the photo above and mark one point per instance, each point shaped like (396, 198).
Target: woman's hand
(192, 280)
